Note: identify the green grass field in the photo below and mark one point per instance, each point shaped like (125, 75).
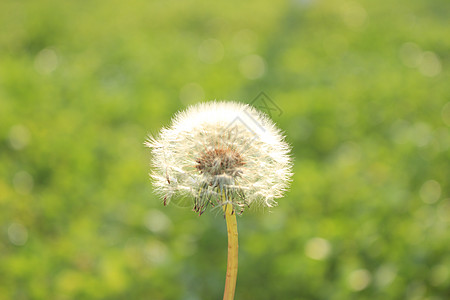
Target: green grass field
(364, 93)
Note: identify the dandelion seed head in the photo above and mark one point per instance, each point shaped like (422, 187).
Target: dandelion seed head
(218, 153)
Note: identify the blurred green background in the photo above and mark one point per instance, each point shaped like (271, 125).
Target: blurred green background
(364, 89)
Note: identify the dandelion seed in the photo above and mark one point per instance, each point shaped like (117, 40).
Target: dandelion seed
(220, 153)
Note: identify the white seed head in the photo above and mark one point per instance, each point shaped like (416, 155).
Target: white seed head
(218, 153)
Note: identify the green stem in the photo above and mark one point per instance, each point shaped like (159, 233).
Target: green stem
(232, 262)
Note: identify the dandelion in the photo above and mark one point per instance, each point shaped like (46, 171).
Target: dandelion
(218, 153)
(222, 154)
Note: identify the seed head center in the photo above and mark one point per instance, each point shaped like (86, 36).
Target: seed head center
(220, 161)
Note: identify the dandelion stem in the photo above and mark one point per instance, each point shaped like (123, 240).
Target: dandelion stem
(232, 263)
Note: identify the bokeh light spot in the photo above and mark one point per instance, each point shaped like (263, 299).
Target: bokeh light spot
(157, 222)
(156, 252)
(421, 134)
(210, 51)
(444, 211)
(46, 61)
(384, 275)
(19, 137)
(430, 65)
(23, 182)
(415, 291)
(410, 54)
(399, 131)
(359, 279)
(430, 191)
(191, 93)
(446, 114)
(252, 66)
(17, 234)
(317, 248)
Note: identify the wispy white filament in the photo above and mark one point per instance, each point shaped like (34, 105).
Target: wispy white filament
(221, 152)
